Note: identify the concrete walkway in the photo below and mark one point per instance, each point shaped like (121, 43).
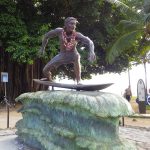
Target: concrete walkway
(8, 143)
(137, 134)
(141, 136)
(7, 140)
(147, 116)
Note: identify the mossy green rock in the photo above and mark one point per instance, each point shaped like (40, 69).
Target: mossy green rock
(73, 120)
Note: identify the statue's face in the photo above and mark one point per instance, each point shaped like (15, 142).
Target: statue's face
(70, 26)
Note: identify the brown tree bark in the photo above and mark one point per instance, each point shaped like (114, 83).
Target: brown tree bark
(19, 76)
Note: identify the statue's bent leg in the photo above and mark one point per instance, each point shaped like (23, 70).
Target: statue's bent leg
(47, 71)
(61, 58)
(77, 68)
(54, 63)
(64, 58)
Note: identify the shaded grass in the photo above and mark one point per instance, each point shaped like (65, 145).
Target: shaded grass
(135, 105)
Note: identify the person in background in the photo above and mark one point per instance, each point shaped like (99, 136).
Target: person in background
(128, 94)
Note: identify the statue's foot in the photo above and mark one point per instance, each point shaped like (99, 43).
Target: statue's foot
(44, 79)
(79, 83)
(50, 80)
(47, 79)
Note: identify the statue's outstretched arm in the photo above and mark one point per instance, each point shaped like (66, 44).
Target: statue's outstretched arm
(47, 36)
(88, 42)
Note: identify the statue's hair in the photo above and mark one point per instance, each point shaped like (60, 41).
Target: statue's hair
(68, 19)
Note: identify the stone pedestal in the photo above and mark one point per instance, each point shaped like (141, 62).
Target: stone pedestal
(71, 120)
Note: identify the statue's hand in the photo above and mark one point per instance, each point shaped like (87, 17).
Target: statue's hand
(92, 57)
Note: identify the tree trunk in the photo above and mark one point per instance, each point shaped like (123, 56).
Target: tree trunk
(19, 76)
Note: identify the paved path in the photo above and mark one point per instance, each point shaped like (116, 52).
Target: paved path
(139, 135)
(8, 141)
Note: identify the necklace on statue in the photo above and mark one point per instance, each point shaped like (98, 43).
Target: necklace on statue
(69, 41)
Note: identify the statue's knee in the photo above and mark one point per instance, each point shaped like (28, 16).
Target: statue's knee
(77, 58)
(47, 70)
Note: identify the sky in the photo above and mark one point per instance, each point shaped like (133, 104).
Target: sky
(121, 81)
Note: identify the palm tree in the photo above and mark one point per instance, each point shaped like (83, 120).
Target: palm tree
(145, 59)
(135, 31)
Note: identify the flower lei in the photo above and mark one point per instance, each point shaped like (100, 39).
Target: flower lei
(69, 42)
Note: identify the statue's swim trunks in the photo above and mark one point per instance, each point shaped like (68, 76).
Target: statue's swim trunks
(64, 57)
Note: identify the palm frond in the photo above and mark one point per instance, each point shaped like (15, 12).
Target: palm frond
(129, 10)
(128, 26)
(146, 6)
(122, 44)
(119, 4)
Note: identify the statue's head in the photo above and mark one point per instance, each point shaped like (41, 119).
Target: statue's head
(70, 23)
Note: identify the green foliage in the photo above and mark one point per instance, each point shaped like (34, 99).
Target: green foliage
(16, 38)
(124, 42)
(129, 26)
(22, 24)
(146, 6)
(147, 107)
(133, 33)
